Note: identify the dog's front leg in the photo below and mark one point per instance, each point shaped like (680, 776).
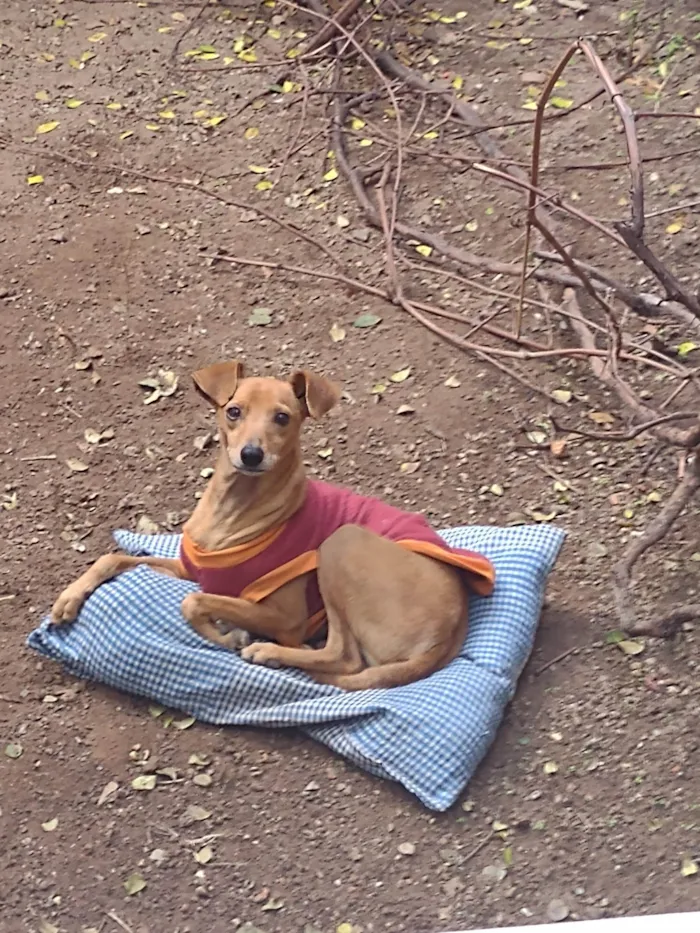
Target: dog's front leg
(204, 610)
(68, 604)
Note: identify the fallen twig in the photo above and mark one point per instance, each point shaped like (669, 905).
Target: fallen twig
(657, 529)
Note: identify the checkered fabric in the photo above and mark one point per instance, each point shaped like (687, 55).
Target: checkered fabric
(430, 736)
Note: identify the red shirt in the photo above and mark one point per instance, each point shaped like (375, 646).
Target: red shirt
(257, 568)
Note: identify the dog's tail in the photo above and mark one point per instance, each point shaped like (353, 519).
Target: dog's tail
(395, 674)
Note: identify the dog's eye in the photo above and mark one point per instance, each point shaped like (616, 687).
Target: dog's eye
(233, 413)
(282, 418)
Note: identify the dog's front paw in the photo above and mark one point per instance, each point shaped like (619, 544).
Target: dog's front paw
(237, 639)
(261, 652)
(67, 606)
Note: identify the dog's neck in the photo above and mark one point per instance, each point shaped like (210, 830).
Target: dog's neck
(235, 508)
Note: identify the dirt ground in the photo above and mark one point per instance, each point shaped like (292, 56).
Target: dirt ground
(105, 278)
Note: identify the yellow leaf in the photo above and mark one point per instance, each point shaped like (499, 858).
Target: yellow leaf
(344, 928)
(165, 29)
(424, 250)
(675, 227)
(73, 103)
(153, 127)
(290, 87)
(74, 63)
(561, 103)
(663, 69)
(113, 105)
(251, 132)
(471, 225)
(494, 44)
(167, 114)
(97, 37)
(521, 4)
(215, 120)
(43, 96)
(200, 114)
(47, 56)
(50, 825)
(550, 767)
(685, 348)
(689, 867)
(126, 134)
(248, 55)
(86, 56)
(431, 134)
(401, 376)
(447, 20)
(274, 33)
(46, 127)
(263, 185)
(293, 53)
(365, 143)
(35, 179)
(331, 174)
(530, 105)
(258, 169)
(629, 646)
(203, 856)
(356, 123)
(458, 82)
(208, 56)
(525, 41)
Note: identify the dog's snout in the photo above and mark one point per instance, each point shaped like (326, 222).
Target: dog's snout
(252, 456)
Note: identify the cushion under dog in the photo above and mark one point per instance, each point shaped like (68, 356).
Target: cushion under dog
(430, 735)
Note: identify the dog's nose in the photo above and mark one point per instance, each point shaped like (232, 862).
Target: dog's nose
(252, 456)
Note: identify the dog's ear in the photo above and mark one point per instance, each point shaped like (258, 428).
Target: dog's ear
(217, 383)
(316, 394)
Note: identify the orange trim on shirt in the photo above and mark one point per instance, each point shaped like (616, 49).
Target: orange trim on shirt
(484, 574)
(260, 589)
(230, 556)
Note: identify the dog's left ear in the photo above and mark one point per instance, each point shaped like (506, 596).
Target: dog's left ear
(316, 394)
(218, 382)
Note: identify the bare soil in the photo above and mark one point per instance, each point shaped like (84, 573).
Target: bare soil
(105, 278)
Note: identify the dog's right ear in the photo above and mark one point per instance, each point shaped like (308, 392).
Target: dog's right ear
(217, 383)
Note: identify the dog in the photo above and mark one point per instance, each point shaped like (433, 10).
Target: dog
(279, 556)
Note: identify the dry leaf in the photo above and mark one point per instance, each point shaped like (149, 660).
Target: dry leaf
(204, 856)
(601, 417)
(562, 395)
(337, 333)
(46, 127)
(689, 867)
(109, 790)
(558, 447)
(134, 883)
(196, 814)
(35, 179)
(75, 465)
(50, 825)
(184, 723)
(202, 780)
(424, 250)
(452, 382)
(550, 767)
(144, 782)
(401, 376)
(630, 646)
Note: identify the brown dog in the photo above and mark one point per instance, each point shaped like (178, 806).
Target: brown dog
(276, 554)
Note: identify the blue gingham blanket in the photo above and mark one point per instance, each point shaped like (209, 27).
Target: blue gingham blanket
(429, 736)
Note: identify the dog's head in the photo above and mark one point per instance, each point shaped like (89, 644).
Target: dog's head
(260, 418)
